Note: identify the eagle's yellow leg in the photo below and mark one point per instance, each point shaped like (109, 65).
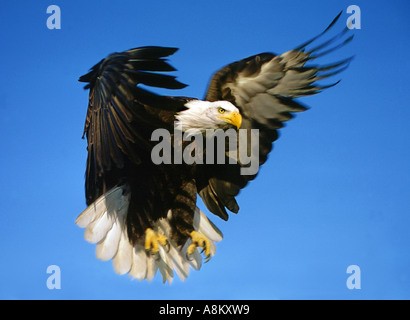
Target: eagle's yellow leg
(153, 240)
(199, 240)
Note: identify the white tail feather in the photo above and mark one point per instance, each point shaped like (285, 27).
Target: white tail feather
(105, 223)
(206, 227)
(139, 263)
(179, 264)
(98, 229)
(165, 266)
(122, 261)
(152, 268)
(96, 209)
(107, 248)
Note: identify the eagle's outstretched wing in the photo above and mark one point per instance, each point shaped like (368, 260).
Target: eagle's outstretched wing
(264, 88)
(118, 111)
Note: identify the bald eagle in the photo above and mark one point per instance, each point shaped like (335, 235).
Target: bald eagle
(144, 216)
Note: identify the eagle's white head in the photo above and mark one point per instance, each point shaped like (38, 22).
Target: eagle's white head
(202, 115)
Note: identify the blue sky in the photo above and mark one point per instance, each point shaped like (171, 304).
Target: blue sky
(334, 193)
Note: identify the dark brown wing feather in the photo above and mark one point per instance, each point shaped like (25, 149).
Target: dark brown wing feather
(119, 122)
(264, 87)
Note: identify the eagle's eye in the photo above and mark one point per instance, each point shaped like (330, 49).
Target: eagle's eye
(221, 110)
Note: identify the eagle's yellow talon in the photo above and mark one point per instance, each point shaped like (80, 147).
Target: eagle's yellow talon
(199, 240)
(153, 240)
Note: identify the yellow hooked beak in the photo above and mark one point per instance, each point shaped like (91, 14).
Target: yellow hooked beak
(232, 118)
